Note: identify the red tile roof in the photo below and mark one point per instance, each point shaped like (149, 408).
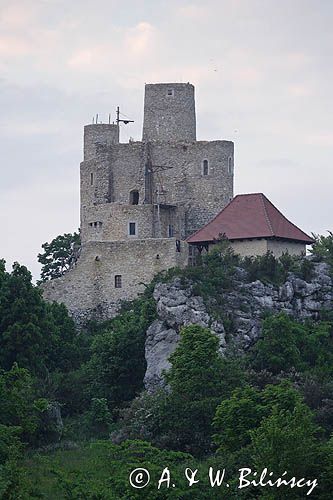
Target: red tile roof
(249, 216)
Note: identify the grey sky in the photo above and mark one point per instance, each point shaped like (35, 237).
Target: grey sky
(263, 76)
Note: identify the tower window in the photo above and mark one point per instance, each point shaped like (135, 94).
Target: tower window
(117, 281)
(134, 197)
(171, 231)
(230, 169)
(91, 179)
(205, 167)
(170, 92)
(97, 224)
(132, 228)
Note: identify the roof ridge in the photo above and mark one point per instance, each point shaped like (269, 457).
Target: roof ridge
(211, 220)
(265, 212)
(282, 215)
(250, 194)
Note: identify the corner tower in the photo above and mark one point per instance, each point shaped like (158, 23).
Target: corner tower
(169, 113)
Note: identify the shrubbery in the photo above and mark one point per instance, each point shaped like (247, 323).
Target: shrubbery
(271, 407)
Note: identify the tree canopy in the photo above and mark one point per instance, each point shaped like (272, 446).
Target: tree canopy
(59, 255)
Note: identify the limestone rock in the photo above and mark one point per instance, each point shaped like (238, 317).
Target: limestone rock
(177, 306)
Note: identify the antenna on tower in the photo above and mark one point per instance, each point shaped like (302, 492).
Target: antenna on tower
(119, 120)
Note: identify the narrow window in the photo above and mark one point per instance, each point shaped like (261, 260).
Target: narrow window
(96, 224)
(191, 255)
(91, 179)
(117, 281)
(170, 231)
(230, 165)
(205, 167)
(134, 197)
(132, 228)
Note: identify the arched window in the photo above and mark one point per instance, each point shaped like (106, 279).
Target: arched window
(205, 167)
(134, 197)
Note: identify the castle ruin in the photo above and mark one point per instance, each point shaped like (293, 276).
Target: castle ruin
(141, 200)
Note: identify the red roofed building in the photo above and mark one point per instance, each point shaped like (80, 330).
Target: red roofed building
(254, 226)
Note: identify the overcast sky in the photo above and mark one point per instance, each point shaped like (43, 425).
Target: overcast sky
(263, 76)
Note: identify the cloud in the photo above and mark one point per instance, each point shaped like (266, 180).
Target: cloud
(11, 46)
(297, 59)
(300, 90)
(127, 50)
(17, 15)
(82, 59)
(194, 12)
(322, 139)
(140, 40)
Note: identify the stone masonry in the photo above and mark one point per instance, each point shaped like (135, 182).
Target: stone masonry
(140, 200)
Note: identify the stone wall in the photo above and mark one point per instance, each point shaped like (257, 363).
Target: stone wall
(244, 307)
(169, 112)
(88, 290)
(250, 247)
(260, 246)
(96, 135)
(279, 247)
(180, 180)
(174, 194)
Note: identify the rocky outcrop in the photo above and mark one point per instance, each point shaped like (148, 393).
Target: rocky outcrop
(244, 308)
(176, 307)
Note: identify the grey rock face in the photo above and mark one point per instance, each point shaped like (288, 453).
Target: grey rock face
(177, 306)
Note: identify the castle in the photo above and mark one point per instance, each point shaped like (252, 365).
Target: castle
(140, 201)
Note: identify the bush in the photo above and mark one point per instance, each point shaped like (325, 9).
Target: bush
(322, 249)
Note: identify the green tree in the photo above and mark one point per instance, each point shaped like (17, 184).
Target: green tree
(59, 255)
(237, 416)
(38, 336)
(287, 441)
(196, 384)
(322, 249)
(117, 365)
(278, 349)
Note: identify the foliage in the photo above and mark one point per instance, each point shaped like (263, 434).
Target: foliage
(58, 255)
(269, 269)
(195, 385)
(36, 335)
(262, 409)
(117, 363)
(237, 416)
(277, 350)
(322, 249)
(286, 344)
(18, 406)
(12, 478)
(286, 441)
(101, 470)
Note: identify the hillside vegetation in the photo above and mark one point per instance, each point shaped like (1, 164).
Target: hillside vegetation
(271, 406)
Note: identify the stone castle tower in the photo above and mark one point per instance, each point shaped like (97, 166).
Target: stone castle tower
(141, 200)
